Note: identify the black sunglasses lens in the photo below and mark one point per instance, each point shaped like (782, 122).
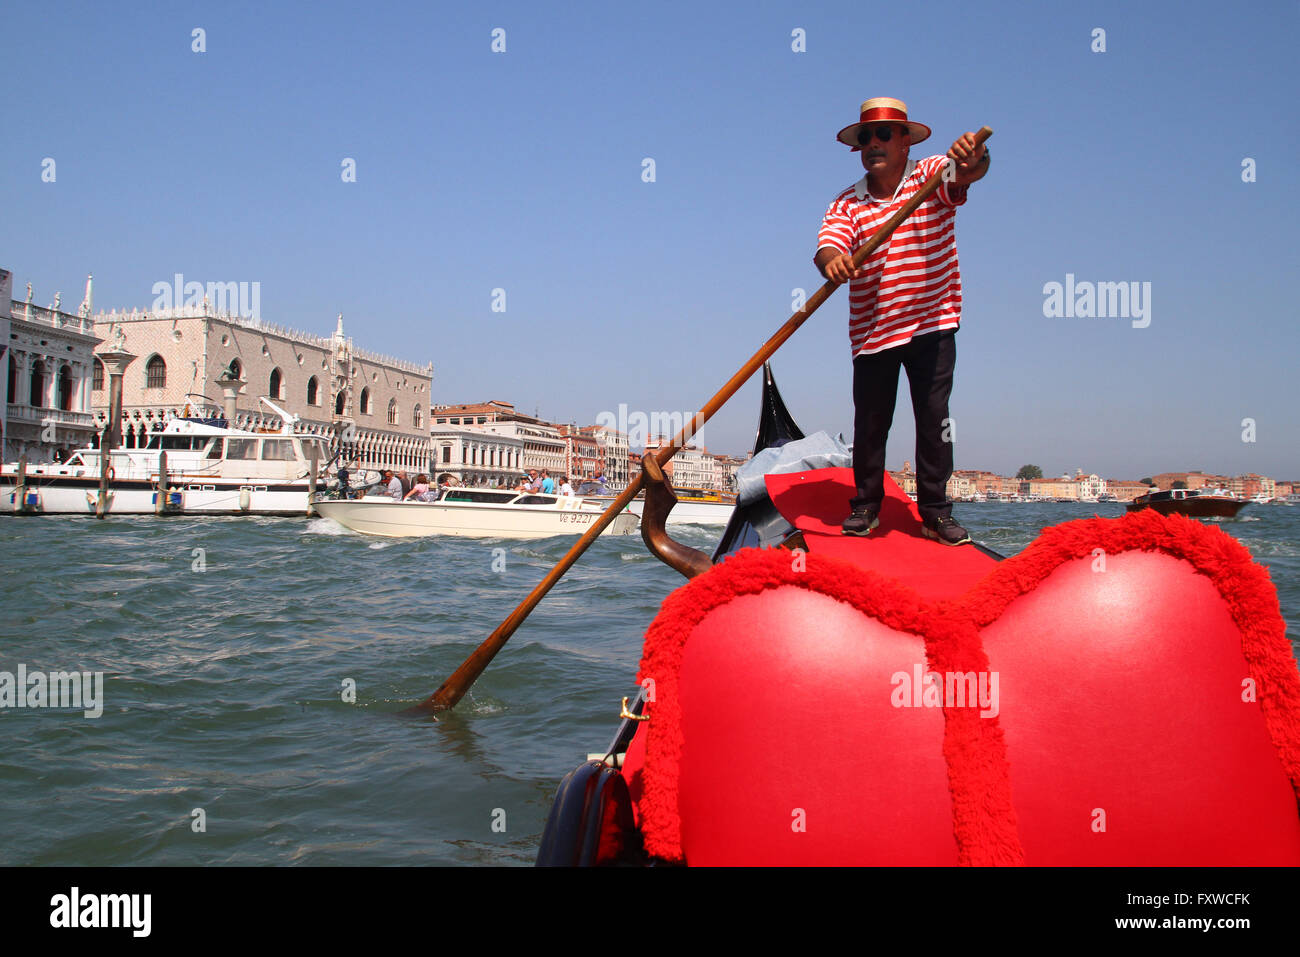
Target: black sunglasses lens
(882, 133)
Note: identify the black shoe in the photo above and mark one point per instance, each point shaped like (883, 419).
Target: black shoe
(861, 522)
(945, 530)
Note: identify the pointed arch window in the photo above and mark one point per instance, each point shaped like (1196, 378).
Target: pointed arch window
(155, 373)
(392, 412)
(313, 391)
(275, 387)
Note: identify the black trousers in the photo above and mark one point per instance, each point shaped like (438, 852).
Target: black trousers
(929, 361)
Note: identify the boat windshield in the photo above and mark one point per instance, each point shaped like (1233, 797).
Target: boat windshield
(497, 496)
(241, 448)
(176, 442)
(277, 450)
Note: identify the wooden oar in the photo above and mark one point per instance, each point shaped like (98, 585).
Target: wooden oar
(454, 688)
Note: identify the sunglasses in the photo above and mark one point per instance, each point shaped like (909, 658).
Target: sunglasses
(883, 133)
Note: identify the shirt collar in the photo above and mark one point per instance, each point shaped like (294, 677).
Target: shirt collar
(862, 193)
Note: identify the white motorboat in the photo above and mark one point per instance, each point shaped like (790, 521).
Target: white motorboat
(211, 470)
(694, 506)
(474, 513)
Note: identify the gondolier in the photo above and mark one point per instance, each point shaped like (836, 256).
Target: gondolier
(904, 304)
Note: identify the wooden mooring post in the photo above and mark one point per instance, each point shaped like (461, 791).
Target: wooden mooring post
(313, 463)
(160, 502)
(20, 490)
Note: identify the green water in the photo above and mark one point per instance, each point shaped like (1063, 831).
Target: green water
(227, 646)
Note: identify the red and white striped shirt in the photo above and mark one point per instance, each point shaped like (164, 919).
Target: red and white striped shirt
(913, 285)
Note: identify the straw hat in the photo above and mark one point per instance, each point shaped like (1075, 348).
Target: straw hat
(882, 109)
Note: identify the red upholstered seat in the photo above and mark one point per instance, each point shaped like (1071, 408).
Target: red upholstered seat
(1141, 706)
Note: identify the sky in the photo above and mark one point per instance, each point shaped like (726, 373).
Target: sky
(1166, 158)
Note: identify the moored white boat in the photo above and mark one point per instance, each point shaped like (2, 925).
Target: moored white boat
(211, 469)
(474, 513)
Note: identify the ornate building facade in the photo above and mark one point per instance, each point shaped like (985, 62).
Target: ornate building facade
(376, 406)
(613, 445)
(473, 455)
(543, 448)
(47, 356)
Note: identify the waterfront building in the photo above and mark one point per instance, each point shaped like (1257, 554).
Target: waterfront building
(724, 471)
(1125, 490)
(1252, 485)
(1191, 480)
(1091, 487)
(479, 413)
(613, 446)
(543, 447)
(49, 364)
(959, 487)
(1053, 488)
(905, 478)
(475, 455)
(692, 467)
(582, 452)
(981, 482)
(375, 405)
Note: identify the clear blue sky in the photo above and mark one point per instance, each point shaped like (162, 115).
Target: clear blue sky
(522, 170)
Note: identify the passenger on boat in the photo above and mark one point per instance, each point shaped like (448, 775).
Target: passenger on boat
(548, 483)
(394, 485)
(886, 328)
(420, 490)
(565, 487)
(535, 482)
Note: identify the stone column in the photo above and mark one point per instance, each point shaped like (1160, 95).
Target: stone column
(230, 389)
(83, 391)
(51, 398)
(115, 364)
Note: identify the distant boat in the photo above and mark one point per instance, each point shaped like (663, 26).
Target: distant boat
(473, 513)
(1198, 503)
(695, 506)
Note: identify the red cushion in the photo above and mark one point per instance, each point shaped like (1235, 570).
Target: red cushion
(1120, 736)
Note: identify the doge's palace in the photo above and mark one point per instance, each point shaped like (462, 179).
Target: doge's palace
(375, 406)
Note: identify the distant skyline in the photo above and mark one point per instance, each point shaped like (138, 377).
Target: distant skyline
(519, 179)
